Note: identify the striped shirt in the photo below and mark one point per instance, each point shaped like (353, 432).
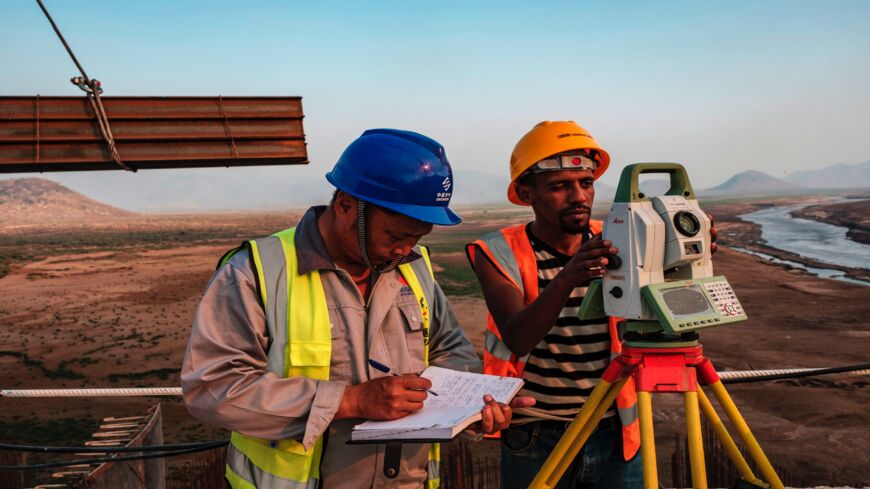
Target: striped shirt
(565, 366)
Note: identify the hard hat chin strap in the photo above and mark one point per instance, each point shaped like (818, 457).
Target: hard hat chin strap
(361, 232)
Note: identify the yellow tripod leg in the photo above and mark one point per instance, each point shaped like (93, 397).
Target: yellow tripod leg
(746, 435)
(647, 441)
(576, 434)
(727, 442)
(696, 446)
(586, 432)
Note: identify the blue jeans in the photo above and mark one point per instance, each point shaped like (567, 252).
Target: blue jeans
(599, 465)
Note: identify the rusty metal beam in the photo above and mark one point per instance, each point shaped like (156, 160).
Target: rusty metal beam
(39, 134)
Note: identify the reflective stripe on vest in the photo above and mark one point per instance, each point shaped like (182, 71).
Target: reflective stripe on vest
(510, 251)
(433, 467)
(301, 346)
(496, 347)
(626, 398)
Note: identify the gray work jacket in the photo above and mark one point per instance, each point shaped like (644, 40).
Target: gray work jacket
(226, 382)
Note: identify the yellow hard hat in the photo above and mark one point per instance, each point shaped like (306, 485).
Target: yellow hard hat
(547, 139)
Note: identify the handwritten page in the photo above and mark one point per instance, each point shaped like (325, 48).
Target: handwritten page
(457, 405)
(467, 389)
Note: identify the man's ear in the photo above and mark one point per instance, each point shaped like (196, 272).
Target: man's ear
(524, 191)
(345, 206)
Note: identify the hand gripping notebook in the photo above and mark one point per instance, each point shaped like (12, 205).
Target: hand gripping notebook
(457, 405)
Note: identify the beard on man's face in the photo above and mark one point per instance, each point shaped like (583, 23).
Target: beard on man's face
(574, 220)
(572, 227)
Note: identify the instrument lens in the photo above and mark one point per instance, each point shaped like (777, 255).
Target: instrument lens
(686, 223)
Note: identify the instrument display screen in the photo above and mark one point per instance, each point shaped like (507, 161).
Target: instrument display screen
(686, 301)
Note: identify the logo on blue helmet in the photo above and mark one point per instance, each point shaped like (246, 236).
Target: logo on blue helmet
(444, 196)
(446, 184)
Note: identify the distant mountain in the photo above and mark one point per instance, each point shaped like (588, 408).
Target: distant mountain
(840, 175)
(753, 182)
(192, 191)
(253, 189)
(41, 202)
(160, 191)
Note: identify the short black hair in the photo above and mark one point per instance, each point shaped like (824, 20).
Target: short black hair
(525, 178)
(369, 205)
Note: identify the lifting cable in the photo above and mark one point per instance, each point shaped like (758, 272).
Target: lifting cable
(93, 89)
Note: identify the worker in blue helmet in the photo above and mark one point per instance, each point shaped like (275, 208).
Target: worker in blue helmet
(303, 334)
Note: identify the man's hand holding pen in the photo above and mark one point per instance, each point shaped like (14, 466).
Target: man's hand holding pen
(385, 369)
(384, 398)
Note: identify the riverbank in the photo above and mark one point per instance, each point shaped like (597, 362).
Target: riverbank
(738, 233)
(855, 216)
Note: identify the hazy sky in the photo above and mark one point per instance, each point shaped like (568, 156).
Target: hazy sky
(721, 87)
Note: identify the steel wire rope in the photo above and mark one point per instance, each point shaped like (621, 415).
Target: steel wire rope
(87, 392)
(92, 89)
(742, 377)
(68, 49)
(736, 376)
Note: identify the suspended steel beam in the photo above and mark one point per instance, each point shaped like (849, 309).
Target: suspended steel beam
(41, 134)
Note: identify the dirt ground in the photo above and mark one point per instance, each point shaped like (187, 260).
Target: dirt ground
(121, 318)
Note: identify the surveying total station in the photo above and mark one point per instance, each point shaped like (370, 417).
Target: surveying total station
(662, 284)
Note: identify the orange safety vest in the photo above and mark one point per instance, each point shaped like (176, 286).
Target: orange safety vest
(511, 252)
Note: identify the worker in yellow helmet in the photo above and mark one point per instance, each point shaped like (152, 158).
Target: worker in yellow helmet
(534, 277)
(298, 333)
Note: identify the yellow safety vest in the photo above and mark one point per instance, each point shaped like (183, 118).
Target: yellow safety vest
(302, 346)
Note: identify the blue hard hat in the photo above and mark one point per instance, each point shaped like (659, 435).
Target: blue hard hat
(400, 170)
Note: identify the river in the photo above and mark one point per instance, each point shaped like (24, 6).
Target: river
(816, 240)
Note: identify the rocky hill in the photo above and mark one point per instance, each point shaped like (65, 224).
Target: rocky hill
(840, 175)
(36, 202)
(753, 182)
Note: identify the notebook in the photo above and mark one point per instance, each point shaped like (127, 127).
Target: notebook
(457, 405)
